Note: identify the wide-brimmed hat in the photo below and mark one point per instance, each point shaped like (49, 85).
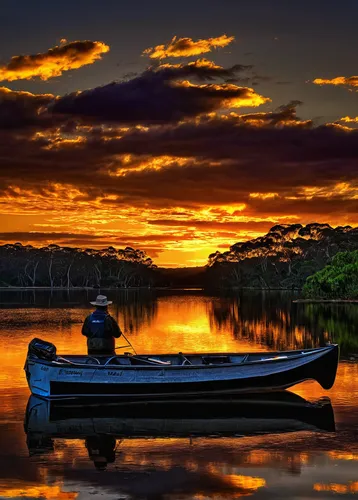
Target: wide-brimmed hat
(101, 300)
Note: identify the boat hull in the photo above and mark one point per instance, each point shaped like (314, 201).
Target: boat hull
(54, 381)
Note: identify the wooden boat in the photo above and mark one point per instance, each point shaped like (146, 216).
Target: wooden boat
(173, 375)
(235, 416)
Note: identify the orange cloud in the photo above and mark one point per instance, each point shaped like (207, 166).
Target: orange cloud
(351, 81)
(231, 95)
(187, 47)
(54, 62)
(348, 119)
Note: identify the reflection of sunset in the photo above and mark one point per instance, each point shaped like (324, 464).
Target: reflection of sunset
(341, 489)
(337, 455)
(40, 492)
(186, 323)
(347, 377)
(246, 482)
(190, 322)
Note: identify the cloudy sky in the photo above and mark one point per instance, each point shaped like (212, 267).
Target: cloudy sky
(178, 128)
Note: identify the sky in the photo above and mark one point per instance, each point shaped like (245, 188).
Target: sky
(179, 128)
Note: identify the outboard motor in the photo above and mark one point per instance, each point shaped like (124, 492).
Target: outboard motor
(42, 349)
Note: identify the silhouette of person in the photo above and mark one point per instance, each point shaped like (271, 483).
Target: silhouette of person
(101, 450)
(101, 328)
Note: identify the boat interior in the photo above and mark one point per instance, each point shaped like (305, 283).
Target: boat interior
(180, 359)
(40, 349)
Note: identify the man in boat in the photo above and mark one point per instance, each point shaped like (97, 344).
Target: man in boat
(101, 328)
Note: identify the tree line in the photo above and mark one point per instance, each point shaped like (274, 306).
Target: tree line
(57, 266)
(284, 258)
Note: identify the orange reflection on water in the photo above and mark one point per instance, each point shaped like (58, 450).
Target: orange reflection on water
(246, 482)
(351, 487)
(292, 461)
(344, 390)
(25, 490)
(338, 455)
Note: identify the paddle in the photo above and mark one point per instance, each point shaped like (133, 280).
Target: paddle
(128, 344)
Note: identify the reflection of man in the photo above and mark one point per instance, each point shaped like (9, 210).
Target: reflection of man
(101, 450)
(39, 444)
(100, 328)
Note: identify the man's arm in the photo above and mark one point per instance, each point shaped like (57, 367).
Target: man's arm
(115, 330)
(86, 328)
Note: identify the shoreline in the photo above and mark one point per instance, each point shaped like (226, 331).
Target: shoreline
(325, 301)
(91, 289)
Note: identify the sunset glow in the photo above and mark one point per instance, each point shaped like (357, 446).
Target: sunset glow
(52, 63)
(186, 47)
(196, 147)
(339, 80)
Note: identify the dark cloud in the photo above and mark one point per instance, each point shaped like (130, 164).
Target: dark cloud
(266, 148)
(22, 109)
(284, 115)
(52, 63)
(209, 225)
(149, 238)
(331, 206)
(202, 69)
(83, 240)
(157, 96)
(18, 236)
(207, 161)
(213, 161)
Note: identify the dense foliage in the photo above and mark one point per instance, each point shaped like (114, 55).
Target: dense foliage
(338, 280)
(283, 258)
(56, 266)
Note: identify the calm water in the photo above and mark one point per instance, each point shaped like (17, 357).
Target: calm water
(307, 463)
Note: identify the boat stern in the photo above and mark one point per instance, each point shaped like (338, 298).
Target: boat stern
(37, 378)
(326, 367)
(37, 372)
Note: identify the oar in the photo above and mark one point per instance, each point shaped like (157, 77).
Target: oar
(128, 344)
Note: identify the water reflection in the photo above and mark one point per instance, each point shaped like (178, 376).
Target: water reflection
(225, 416)
(273, 320)
(212, 456)
(101, 450)
(285, 454)
(187, 320)
(186, 452)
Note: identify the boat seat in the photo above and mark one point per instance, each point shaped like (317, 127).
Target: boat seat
(215, 360)
(149, 361)
(159, 361)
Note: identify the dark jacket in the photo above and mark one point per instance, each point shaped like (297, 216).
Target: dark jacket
(100, 329)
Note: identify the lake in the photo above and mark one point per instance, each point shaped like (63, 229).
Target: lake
(80, 459)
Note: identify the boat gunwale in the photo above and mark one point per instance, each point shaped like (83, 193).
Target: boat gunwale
(304, 353)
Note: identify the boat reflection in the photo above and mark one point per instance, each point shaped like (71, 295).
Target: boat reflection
(101, 424)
